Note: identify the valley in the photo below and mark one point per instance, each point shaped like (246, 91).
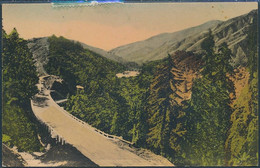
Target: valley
(182, 98)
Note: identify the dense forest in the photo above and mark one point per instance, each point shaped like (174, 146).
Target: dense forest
(213, 126)
(184, 107)
(19, 79)
(242, 141)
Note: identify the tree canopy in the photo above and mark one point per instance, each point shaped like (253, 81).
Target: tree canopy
(19, 80)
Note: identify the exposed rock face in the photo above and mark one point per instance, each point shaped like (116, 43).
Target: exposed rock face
(188, 67)
(40, 50)
(240, 79)
(233, 32)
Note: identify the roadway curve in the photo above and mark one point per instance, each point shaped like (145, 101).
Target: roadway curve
(100, 149)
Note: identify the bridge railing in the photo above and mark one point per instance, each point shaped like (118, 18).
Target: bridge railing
(86, 124)
(93, 128)
(53, 133)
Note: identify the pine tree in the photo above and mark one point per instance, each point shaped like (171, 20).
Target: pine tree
(242, 139)
(135, 103)
(163, 108)
(210, 102)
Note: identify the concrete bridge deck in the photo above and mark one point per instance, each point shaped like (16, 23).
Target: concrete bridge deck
(97, 147)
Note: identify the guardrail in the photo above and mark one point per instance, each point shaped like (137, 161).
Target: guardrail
(89, 126)
(53, 133)
(95, 129)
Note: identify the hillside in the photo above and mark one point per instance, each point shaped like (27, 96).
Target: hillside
(40, 50)
(39, 47)
(10, 158)
(188, 105)
(232, 31)
(143, 51)
(157, 47)
(103, 53)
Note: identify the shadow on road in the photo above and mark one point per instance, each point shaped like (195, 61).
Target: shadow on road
(40, 101)
(69, 154)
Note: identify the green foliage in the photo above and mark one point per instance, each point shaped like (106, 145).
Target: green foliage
(111, 104)
(145, 110)
(78, 66)
(210, 122)
(242, 140)
(19, 72)
(165, 128)
(19, 128)
(134, 97)
(210, 104)
(6, 139)
(19, 80)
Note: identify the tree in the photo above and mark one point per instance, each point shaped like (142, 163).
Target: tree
(242, 141)
(135, 102)
(19, 72)
(210, 102)
(19, 80)
(163, 109)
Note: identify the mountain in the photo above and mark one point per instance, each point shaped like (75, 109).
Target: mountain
(40, 49)
(156, 47)
(232, 31)
(103, 53)
(131, 65)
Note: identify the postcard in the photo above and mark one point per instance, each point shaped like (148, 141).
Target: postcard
(89, 84)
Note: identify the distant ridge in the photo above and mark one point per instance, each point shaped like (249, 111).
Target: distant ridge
(103, 53)
(232, 31)
(156, 47)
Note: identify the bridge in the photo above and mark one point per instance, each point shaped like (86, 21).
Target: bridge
(61, 101)
(101, 148)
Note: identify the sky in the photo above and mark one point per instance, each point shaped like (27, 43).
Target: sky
(110, 26)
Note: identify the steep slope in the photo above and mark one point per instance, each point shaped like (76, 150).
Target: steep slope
(129, 64)
(103, 53)
(232, 31)
(11, 158)
(40, 49)
(157, 46)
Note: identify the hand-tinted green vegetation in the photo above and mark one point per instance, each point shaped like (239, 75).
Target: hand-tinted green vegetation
(213, 127)
(210, 103)
(19, 79)
(242, 141)
(164, 112)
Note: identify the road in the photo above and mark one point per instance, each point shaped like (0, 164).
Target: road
(100, 149)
